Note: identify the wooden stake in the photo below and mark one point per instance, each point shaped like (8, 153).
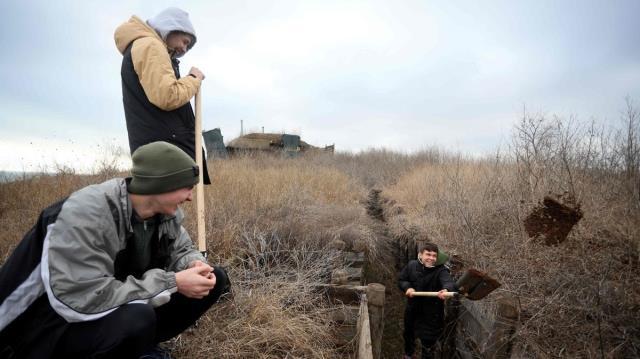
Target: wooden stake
(202, 241)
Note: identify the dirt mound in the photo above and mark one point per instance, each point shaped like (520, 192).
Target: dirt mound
(553, 219)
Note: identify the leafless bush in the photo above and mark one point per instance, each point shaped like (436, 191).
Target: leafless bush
(112, 161)
(269, 222)
(630, 148)
(277, 310)
(578, 299)
(381, 167)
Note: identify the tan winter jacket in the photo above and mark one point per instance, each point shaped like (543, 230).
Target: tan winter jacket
(152, 63)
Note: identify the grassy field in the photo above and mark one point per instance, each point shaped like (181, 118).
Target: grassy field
(270, 222)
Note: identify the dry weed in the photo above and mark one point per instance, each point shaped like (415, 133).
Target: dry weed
(579, 298)
(270, 222)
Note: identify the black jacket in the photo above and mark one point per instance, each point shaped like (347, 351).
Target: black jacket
(35, 332)
(428, 312)
(148, 123)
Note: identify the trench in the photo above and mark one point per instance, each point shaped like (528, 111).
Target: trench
(392, 257)
(472, 329)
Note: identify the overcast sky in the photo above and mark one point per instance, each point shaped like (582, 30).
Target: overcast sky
(402, 75)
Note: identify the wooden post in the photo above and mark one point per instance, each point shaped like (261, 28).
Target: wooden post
(202, 241)
(375, 299)
(364, 333)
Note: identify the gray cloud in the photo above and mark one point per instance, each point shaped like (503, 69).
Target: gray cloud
(359, 74)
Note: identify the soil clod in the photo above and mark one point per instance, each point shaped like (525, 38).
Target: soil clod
(553, 219)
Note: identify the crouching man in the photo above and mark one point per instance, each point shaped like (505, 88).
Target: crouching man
(109, 271)
(424, 316)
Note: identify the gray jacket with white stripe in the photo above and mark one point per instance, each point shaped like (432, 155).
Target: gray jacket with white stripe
(81, 264)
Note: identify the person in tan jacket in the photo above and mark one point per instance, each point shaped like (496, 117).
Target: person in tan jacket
(156, 99)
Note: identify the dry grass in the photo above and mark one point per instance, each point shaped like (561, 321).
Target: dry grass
(290, 197)
(275, 310)
(578, 299)
(21, 202)
(270, 221)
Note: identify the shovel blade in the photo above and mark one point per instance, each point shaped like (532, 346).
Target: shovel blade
(475, 285)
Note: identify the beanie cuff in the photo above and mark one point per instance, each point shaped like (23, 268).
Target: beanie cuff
(149, 184)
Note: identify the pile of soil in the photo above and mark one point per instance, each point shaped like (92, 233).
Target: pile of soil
(553, 219)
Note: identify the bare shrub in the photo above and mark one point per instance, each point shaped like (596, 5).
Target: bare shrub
(276, 310)
(381, 167)
(273, 193)
(112, 161)
(271, 222)
(571, 296)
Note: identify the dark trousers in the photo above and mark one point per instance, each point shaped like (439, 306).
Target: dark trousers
(427, 338)
(133, 329)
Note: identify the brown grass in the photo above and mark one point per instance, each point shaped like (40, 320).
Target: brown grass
(21, 202)
(579, 298)
(270, 221)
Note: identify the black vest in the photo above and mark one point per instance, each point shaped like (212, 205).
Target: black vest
(148, 123)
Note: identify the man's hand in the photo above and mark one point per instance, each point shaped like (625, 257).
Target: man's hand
(197, 73)
(197, 281)
(198, 263)
(409, 292)
(441, 294)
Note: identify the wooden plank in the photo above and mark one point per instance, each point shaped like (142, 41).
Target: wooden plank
(375, 299)
(354, 259)
(342, 276)
(354, 274)
(347, 314)
(345, 294)
(364, 334)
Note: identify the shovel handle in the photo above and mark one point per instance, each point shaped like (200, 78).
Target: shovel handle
(202, 243)
(434, 294)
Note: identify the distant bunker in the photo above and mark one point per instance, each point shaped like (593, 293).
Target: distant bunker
(552, 220)
(214, 142)
(273, 143)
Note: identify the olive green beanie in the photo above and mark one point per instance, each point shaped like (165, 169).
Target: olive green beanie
(161, 167)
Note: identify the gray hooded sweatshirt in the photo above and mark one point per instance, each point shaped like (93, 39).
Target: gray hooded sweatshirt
(173, 19)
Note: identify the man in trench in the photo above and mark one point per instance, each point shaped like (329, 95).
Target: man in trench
(110, 271)
(424, 316)
(156, 99)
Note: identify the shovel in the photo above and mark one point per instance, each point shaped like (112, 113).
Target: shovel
(473, 285)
